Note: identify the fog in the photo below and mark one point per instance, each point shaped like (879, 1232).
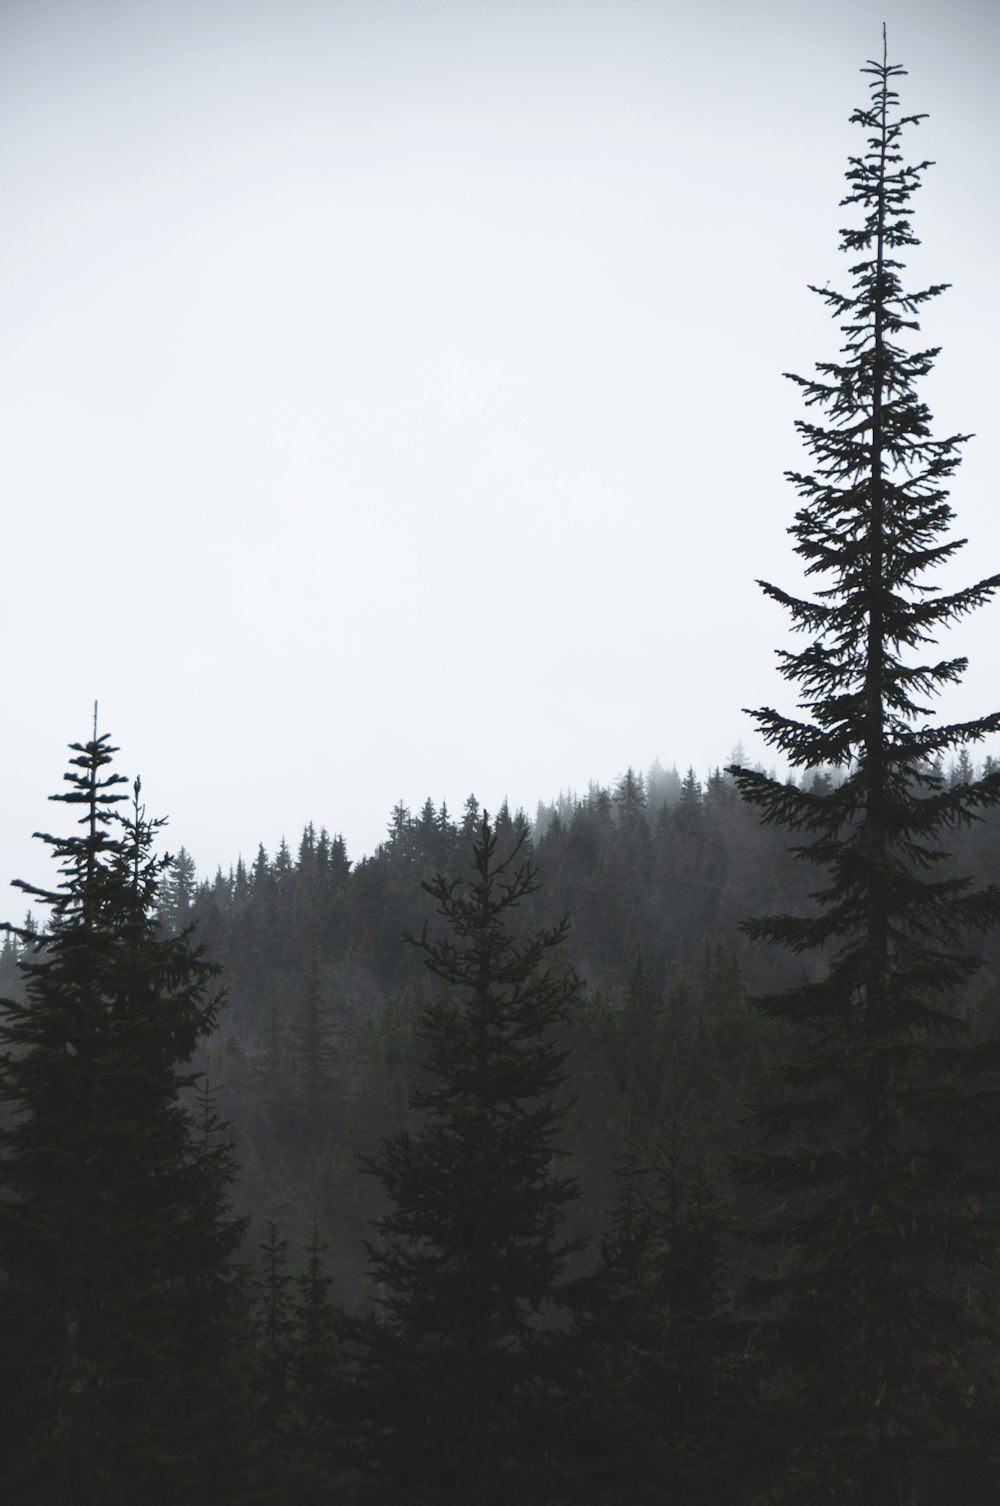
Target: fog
(393, 398)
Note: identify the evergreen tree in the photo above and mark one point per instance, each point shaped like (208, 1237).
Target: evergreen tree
(177, 892)
(214, 1320)
(630, 800)
(658, 1401)
(317, 1382)
(113, 1218)
(880, 1190)
(468, 1259)
(275, 1343)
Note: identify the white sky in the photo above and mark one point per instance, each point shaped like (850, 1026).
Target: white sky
(391, 393)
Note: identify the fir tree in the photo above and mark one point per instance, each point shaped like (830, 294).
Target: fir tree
(880, 1193)
(469, 1258)
(317, 1382)
(274, 1308)
(214, 1319)
(658, 1400)
(112, 1218)
(177, 892)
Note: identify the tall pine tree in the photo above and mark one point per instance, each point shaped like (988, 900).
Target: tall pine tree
(115, 1236)
(880, 1192)
(469, 1256)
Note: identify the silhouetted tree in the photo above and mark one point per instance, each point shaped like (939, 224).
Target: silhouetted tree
(317, 1383)
(468, 1258)
(115, 1235)
(275, 1342)
(657, 1402)
(881, 1202)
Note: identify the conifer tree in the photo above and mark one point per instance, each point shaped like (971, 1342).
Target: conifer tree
(880, 1192)
(657, 1399)
(112, 1217)
(317, 1383)
(275, 1342)
(469, 1256)
(214, 1319)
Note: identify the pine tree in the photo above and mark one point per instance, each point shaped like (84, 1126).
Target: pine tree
(273, 1312)
(317, 1382)
(214, 1319)
(177, 892)
(875, 1165)
(108, 1229)
(658, 1399)
(469, 1256)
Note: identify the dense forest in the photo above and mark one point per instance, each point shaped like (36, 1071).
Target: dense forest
(643, 1151)
(317, 1046)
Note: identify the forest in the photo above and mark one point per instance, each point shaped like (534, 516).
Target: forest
(640, 1151)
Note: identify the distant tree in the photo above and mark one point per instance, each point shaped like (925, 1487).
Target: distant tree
(658, 1402)
(260, 872)
(274, 1322)
(427, 822)
(313, 1089)
(468, 1258)
(645, 1053)
(317, 1383)
(630, 796)
(446, 829)
(400, 830)
(882, 1191)
(663, 786)
(177, 892)
(115, 1237)
(282, 867)
(470, 818)
(213, 1318)
(688, 812)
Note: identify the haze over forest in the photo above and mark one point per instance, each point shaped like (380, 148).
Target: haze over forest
(394, 397)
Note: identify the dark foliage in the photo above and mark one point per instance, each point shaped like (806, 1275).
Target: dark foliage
(469, 1257)
(115, 1237)
(881, 1190)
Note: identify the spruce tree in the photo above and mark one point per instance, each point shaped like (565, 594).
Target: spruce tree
(113, 1216)
(318, 1401)
(469, 1257)
(214, 1317)
(275, 1343)
(657, 1397)
(875, 1164)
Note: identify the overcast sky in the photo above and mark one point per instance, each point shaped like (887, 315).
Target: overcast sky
(391, 393)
